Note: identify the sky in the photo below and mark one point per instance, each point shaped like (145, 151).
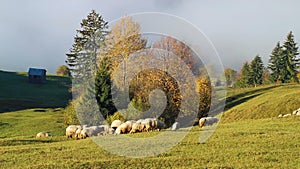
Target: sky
(38, 33)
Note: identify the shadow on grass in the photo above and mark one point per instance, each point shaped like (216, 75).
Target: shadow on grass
(15, 142)
(237, 99)
(3, 124)
(245, 96)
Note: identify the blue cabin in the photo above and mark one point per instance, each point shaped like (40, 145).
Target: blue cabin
(36, 75)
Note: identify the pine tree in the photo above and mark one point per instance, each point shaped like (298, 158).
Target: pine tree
(86, 47)
(275, 63)
(244, 79)
(256, 71)
(103, 88)
(290, 59)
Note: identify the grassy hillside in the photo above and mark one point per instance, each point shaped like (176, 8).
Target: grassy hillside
(261, 102)
(265, 143)
(27, 123)
(249, 136)
(17, 94)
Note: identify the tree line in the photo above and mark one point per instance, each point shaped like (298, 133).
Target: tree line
(283, 67)
(97, 55)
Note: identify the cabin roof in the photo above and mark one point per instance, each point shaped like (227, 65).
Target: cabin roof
(36, 72)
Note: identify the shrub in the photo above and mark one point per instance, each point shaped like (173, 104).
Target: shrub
(70, 116)
(115, 116)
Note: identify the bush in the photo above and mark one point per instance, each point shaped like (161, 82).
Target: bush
(70, 116)
(115, 116)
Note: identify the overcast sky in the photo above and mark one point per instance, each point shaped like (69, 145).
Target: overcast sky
(38, 33)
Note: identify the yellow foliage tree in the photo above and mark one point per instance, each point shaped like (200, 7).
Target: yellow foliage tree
(205, 92)
(124, 39)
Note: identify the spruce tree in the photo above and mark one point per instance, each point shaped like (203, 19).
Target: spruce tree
(103, 88)
(244, 80)
(290, 59)
(256, 71)
(86, 47)
(275, 63)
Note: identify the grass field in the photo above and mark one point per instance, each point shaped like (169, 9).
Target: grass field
(17, 94)
(264, 143)
(249, 135)
(261, 102)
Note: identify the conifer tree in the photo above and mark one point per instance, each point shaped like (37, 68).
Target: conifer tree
(256, 71)
(290, 59)
(244, 76)
(103, 88)
(82, 57)
(275, 63)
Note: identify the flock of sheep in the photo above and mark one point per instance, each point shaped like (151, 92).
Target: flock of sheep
(295, 113)
(118, 127)
(143, 125)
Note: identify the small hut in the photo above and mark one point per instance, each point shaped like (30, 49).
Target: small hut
(36, 75)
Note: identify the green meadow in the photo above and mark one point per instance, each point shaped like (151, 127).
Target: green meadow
(249, 134)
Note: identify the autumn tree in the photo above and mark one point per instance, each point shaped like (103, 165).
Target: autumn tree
(266, 77)
(148, 81)
(63, 70)
(124, 39)
(204, 89)
(180, 50)
(230, 76)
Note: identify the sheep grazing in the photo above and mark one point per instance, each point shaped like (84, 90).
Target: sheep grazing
(81, 134)
(122, 129)
(207, 121)
(104, 130)
(43, 134)
(153, 123)
(71, 130)
(284, 115)
(287, 115)
(296, 112)
(146, 123)
(115, 124)
(129, 125)
(137, 127)
(175, 126)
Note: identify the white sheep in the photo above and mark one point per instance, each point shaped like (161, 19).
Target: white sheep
(207, 121)
(122, 129)
(83, 134)
(146, 123)
(115, 124)
(175, 126)
(43, 134)
(153, 123)
(137, 127)
(287, 115)
(104, 130)
(71, 130)
(296, 112)
(129, 123)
